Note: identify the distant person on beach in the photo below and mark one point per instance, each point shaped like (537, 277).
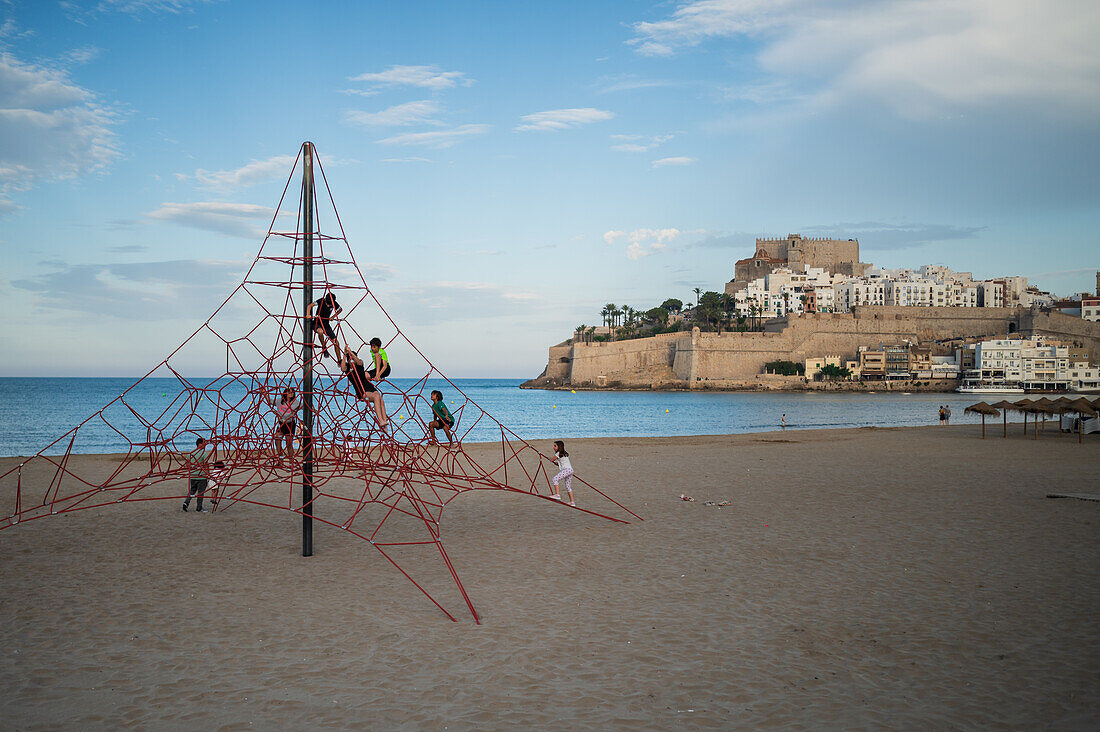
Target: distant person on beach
(943, 416)
(196, 470)
(783, 420)
(287, 412)
(565, 472)
(947, 414)
(217, 480)
(443, 419)
(352, 367)
(322, 313)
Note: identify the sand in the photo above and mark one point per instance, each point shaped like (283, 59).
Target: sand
(903, 578)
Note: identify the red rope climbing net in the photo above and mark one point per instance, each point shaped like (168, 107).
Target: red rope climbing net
(387, 486)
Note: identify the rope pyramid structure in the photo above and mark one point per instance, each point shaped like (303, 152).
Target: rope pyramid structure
(384, 483)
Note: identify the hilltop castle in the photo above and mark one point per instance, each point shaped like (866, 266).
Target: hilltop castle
(797, 253)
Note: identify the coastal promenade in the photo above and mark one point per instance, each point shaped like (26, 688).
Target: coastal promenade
(903, 578)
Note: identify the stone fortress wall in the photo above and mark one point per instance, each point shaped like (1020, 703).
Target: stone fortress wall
(838, 256)
(684, 360)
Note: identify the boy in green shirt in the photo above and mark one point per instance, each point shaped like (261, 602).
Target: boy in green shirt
(443, 419)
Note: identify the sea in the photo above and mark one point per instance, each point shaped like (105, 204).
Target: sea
(36, 412)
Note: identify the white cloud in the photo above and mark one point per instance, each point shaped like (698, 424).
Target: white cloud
(158, 290)
(445, 301)
(232, 219)
(255, 171)
(562, 119)
(82, 11)
(663, 162)
(921, 58)
(428, 77)
(50, 128)
(398, 115)
(642, 242)
(437, 139)
(638, 143)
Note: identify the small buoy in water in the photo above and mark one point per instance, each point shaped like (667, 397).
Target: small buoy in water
(666, 411)
(164, 394)
(574, 391)
(554, 407)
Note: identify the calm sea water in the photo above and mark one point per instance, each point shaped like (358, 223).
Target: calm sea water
(35, 412)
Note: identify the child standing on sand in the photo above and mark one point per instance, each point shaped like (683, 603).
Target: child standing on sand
(287, 411)
(196, 461)
(217, 480)
(565, 472)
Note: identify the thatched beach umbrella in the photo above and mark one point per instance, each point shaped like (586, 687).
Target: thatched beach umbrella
(1083, 407)
(1046, 409)
(1023, 406)
(1061, 404)
(1004, 405)
(983, 409)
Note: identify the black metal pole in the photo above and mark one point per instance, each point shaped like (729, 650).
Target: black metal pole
(307, 350)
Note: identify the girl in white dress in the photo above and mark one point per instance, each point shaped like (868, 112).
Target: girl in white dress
(565, 472)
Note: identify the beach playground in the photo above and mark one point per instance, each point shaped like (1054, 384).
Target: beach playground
(903, 578)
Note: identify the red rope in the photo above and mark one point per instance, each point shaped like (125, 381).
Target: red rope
(406, 476)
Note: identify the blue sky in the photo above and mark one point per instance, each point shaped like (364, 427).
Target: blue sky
(504, 169)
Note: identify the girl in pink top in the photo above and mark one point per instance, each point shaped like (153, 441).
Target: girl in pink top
(287, 413)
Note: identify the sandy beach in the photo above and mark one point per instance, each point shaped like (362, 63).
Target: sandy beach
(903, 578)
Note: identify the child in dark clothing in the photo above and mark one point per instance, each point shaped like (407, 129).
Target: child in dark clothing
(443, 419)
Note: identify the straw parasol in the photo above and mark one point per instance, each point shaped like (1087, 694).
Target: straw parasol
(983, 409)
(1023, 406)
(1005, 405)
(1061, 404)
(1083, 407)
(1045, 404)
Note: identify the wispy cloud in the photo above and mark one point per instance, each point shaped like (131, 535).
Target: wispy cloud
(232, 219)
(427, 77)
(410, 159)
(642, 242)
(85, 11)
(876, 235)
(437, 138)
(630, 82)
(81, 56)
(638, 143)
(255, 171)
(918, 57)
(158, 290)
(665, 162)
(50, 128)
(561, 119)
(447, 301)
(399, 115)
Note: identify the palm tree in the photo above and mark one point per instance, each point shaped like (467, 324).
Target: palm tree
(580, 331)
(610, 308)
(698, 294)
(616, 315)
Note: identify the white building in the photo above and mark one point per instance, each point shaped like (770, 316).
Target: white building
(859, 291)
(991, 295)
(1090, 308)
(1033, 364)
(915, 293)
